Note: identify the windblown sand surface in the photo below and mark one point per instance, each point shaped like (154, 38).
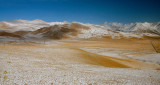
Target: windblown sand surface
(79, 62)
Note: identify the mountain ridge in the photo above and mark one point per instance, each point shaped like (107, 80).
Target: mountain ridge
(59, 30)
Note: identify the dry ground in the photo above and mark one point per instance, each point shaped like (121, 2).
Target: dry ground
(64, 62)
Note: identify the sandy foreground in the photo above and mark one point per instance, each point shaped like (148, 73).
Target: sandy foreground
(79, 62)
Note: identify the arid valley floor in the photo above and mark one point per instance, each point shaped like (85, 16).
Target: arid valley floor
(79, 62)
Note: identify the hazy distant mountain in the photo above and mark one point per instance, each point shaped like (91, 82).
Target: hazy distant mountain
(137, 27)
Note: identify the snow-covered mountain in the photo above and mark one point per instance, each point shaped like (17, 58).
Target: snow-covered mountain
(24, 25)
(137, 27)
(58, 30)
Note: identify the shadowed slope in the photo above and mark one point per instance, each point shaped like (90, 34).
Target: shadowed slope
(61, 31)
(7, 34)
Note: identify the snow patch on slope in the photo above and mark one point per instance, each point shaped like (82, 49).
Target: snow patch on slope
(93, 32)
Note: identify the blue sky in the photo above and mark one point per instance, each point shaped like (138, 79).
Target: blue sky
(86, 11)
